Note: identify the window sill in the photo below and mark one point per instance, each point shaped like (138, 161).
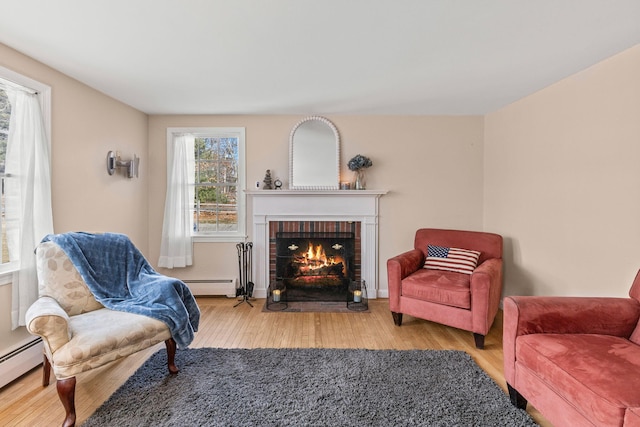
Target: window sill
(203, 238)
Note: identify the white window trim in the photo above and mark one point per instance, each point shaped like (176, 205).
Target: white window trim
(241, 234)
(44, 94)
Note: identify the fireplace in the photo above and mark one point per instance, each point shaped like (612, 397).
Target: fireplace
(316, 211)
(315, 266)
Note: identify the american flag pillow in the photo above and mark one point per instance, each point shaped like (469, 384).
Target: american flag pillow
(451, 259)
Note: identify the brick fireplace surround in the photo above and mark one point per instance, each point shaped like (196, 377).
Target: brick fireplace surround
(273, 208)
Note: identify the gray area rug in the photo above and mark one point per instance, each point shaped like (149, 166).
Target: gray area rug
(310, 387)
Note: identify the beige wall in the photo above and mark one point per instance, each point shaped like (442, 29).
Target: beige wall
(562, 182)
(431, 166)
(85, 124)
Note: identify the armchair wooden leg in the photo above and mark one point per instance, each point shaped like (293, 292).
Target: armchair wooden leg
(67, 393)
(171, 356)
(46, 371)
(516, 398)
(479, 339)
(397, 318)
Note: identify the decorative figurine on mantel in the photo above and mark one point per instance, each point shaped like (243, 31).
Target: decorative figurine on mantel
(268, 181)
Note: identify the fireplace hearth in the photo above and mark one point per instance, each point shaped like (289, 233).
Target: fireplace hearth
(315, 266)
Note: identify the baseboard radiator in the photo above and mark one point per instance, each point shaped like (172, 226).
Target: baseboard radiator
(20, 361)
(206, 287)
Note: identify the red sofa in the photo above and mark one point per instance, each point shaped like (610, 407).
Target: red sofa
(575, 359)
(464, 301)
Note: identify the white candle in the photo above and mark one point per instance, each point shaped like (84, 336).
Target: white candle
(276, 295)
(357, 296)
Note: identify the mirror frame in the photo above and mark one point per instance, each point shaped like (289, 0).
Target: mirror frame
(292, 183)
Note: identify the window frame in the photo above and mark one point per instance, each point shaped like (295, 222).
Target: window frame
(44, 97)
(218, 132)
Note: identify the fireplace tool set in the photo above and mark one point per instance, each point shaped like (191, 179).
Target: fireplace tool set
(245, 290)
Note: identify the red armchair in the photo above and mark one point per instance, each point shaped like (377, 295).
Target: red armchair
(575, 359)
(464, 301)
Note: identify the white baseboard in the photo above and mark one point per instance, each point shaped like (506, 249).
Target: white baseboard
(206, 287)
(20, 361)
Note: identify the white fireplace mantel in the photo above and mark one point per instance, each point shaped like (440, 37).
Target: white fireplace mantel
(315, 205)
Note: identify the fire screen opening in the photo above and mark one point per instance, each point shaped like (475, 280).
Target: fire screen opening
(315, 266)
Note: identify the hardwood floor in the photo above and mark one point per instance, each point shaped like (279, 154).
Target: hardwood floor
(26, 403)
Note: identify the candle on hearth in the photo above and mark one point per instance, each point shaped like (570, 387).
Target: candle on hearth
(276, 295)
(357, 296)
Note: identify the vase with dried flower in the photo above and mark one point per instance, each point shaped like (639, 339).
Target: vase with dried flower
(359, 164)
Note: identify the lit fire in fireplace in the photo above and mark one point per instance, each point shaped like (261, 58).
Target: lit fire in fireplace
(314, 262)
(314, 265)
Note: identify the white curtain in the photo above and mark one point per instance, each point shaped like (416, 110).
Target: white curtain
(176, 249)
(28, 212)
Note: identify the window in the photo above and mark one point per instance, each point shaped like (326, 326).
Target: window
(5, 116)
(10, 81)
(218, 183)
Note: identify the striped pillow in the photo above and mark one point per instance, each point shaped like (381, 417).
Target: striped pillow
(451, 259)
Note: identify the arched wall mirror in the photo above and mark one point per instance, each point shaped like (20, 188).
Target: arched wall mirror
(314, 155)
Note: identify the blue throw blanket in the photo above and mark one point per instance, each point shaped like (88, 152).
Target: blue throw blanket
(120, 278)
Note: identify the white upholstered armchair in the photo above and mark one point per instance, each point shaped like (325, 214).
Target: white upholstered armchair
(78, 332)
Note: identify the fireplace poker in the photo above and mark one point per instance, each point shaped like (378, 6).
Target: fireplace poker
(249, 273)
(240, 288)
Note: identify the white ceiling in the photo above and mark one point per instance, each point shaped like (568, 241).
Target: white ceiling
(319, 56)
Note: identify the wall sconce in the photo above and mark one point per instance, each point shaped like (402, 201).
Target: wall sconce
(114, 161)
